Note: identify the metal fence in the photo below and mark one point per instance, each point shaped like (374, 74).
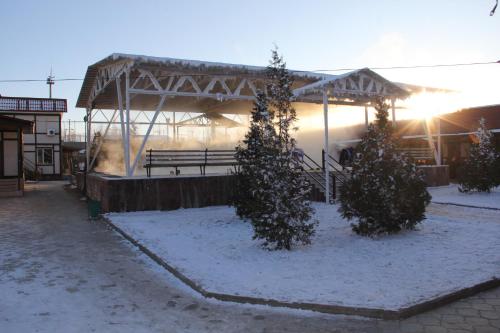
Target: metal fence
(26, 104)
(73, 131)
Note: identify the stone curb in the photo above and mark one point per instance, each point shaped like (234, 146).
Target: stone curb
(461, 205)
(324, 308)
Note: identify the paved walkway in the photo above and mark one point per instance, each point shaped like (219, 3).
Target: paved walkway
(60, 273)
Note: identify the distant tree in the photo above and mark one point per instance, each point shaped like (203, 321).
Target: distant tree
(385, 193)
(479, 172)
(273, 192)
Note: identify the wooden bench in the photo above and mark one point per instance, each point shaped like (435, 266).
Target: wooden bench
(419, 154)
(188, 158)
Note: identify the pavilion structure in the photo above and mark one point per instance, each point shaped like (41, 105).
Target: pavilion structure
(123, 87)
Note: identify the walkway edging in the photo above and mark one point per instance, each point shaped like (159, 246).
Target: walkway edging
(462, 205)
(324, 308)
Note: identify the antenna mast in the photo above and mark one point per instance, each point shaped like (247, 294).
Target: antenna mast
(50, 82)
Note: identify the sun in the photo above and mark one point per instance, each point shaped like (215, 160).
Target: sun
(426, 105)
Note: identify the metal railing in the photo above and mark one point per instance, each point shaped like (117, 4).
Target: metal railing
(28, 104)
(73, 131)
(316, 174)
(31, 172)
(335, 166)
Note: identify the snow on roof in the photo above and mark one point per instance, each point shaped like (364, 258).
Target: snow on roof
(306, 82)
(188, 63)
(181, 65)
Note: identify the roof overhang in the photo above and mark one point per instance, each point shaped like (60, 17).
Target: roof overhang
(360, 85)
(11, 123)
(201, 86)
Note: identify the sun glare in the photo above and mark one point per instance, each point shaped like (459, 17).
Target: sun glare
(427, 105)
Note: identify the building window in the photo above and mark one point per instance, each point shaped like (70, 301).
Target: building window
(44, 156)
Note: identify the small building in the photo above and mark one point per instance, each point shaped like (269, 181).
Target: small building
(42, 149)
(444, 139)
(458, 132)
(11, 154)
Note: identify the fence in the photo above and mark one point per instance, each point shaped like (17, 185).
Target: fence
(27, 104)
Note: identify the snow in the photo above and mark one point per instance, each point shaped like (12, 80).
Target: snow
(450, 194)
(205, 64)
(455, 247)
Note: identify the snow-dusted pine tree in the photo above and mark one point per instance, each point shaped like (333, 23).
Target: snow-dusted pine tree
(385, 193)
(251, 156)
(479, 171)
(277, 192)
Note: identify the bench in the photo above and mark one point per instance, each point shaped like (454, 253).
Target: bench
(188, 158)
(421, 155)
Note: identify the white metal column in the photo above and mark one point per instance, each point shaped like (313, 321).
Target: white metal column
(87, 143)
(430, 141)
(325, 146)
(366, 117)
(174, 130)
(393, 108)
(126, 151)
(127, 106)
(438, 161)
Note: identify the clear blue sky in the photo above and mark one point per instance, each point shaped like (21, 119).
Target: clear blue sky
(70, 35)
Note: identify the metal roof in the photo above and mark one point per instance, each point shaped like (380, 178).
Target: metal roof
(206, 77)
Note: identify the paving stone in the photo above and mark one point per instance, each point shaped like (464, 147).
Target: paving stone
(453, 319)
(461, 305)
(493, 301)
(489, 314)
(468, 312)
(462, 326)
(485, 329)
(411, 328)
(389, 326)
(482, 306)
(429, 320)
(475, 321)
(445, 310)
(435, 329)
(99, 257)
(495, 323)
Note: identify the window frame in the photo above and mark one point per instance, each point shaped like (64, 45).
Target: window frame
(42, 161)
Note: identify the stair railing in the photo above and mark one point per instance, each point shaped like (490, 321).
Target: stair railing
(335, 166)
(30, 170)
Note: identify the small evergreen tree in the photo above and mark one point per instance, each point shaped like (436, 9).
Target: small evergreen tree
(250, 156)
(385, 193)
(479, 172)
(272, 191)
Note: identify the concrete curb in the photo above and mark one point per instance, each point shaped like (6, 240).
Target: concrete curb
(461, 205)
(324, 308)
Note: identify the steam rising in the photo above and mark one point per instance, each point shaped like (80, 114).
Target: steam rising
(346, 125)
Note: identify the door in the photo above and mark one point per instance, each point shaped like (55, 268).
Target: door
(10, 161)
(9, 152)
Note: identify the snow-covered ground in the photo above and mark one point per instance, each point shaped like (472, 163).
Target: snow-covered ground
(454, 248)
(450, 194)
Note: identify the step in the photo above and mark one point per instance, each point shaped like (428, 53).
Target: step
(9, 185)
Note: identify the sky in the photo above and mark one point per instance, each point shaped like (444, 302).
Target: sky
(68, 36)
